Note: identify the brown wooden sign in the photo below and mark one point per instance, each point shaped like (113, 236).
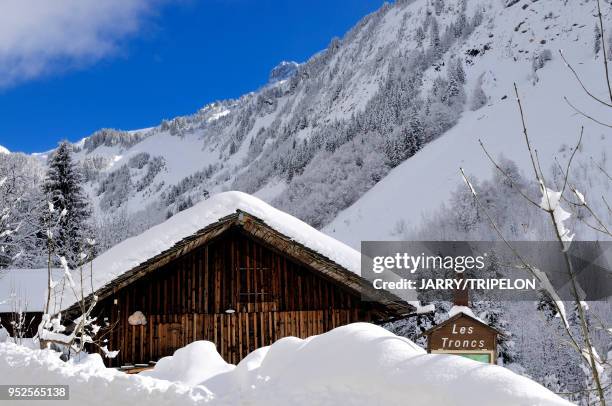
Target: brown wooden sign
(464, 335)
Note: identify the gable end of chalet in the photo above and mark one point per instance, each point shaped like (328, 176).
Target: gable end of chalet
(389, 305)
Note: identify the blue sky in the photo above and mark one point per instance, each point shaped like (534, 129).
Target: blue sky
(169, 60)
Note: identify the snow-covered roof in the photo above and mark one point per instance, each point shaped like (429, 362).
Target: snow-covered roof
(24, 288)
(456, 312)
(462, 309)
(137, 250)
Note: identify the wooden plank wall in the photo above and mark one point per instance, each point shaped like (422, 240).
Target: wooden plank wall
(235, 335)
(188, 300)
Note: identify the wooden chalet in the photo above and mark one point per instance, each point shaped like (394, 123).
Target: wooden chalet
(239, 283)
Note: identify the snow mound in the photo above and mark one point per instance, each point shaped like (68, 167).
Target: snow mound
(4, 150)
(191, 364)
(137, 319)
(357, 364)
(138, 249)
(90, 382)
(363, 364)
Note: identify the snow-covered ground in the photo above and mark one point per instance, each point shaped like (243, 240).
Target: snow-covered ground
(358, 364)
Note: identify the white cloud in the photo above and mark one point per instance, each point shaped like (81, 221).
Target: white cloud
(38, 37)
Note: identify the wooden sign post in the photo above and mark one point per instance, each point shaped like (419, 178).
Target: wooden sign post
(464, 335)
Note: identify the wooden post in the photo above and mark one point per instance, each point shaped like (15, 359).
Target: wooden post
(461, 297)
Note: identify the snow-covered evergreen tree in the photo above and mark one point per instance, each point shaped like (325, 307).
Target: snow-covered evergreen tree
(596, 39)
(434, 40)
(62, 188)
(491, 311)
(414, 326)
(456, 72)
(438, 6)
(20, 176)
(419, 36)
(479, 97)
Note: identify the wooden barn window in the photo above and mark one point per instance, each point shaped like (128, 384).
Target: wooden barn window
(255, 269)
(255, 285)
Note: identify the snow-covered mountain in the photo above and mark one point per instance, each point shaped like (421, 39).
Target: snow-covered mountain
(374, 127)
(523, 48)
(4, 150)
(283, 71)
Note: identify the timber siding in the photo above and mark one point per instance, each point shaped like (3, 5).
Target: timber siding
(239, 285)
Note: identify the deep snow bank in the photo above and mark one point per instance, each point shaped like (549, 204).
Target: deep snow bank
(363, 364)
(358, 364)
(191, 364)
(90, 382)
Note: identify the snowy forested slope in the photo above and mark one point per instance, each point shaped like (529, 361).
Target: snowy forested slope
(411, 87)
(311, 141)
(396, 206)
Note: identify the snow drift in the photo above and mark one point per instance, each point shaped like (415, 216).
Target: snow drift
(90, 382)
(191, 364)
(357, 364)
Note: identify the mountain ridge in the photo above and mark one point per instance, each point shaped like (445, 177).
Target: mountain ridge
(314, 143)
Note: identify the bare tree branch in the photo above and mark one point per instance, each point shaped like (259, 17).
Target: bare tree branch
(604, 171)
(503, 172)
(520, 105)
(571, 68)
(586, 115)
(603, 45)
(573, 283)
(569, 162)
